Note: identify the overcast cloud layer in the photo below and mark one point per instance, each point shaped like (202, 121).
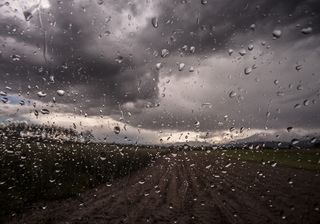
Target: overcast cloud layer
(104, 55)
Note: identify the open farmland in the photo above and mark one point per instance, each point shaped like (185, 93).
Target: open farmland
(97, 183)
(32, 171)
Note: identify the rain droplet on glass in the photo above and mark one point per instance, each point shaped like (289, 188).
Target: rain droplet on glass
(277, 34)
(164, 53)
(155, 22)
(60, 92)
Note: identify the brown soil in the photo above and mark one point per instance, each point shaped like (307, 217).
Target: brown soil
(186, 189)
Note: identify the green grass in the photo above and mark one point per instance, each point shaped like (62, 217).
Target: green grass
(32, 171)
(302, 158)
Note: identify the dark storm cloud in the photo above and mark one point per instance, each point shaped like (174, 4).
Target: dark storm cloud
(216, 24)
(221, 25)
(81, 54)
(103, 80)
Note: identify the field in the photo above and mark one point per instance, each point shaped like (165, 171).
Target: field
(32, 171)
(55, 182)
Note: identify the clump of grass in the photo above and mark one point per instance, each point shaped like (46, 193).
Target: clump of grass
(32, 171)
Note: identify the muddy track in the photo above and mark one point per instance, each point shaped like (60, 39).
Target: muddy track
(193, 188)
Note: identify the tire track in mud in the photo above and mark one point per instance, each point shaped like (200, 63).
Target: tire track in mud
(189, 187)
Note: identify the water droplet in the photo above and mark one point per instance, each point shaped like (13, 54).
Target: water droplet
(230, 51)
(277, 34)
(41, 94)
(298, 67)
(60, 92)
(242, 52)
(283, 217)
(15, 57)
(253, 27)
(247, 70)
(294, 141)
(100, 2)
(27, 15)
(107, 33)
(306, 102)
(181, 66)
(306, 30)
(297, 106)
(184, 47)
(191, 69)
(45, 111)
(204, 2)
(155, 22)
(192, 49)
(174, 154)
(51, 78)
(232, 94)
(158, 66)
(3, 93)
(300, 87)
(103, 158)
(119, 59)
(4, 100)
(250, 47)
(116, 130)
(164, 53)
(289, 129)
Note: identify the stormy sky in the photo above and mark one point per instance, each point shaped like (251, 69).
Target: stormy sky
(186, 70)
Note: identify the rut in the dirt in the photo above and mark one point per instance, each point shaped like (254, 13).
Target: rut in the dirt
(190, 188)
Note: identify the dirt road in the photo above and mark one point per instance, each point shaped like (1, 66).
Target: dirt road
(193, 188)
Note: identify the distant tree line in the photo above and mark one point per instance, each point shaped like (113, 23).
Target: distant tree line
(43, 131)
